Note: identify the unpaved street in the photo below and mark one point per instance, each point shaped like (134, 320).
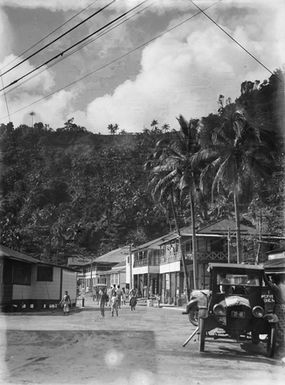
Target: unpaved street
(137, 348)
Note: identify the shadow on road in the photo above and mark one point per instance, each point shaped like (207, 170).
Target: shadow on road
(242, 352)
(87, 355)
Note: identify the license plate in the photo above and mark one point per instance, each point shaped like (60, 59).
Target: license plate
(237, 314)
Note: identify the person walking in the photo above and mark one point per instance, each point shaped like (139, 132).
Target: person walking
(127, 291)
(277, 285)
(114, 305)
(109, 293)
(133, 299)
(102, 301)
(66, 303)
(119, 295)
(123, 296)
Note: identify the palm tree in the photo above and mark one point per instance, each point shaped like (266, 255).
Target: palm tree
(163, 183)
(236, 157)
(176, 169)
(32, 114)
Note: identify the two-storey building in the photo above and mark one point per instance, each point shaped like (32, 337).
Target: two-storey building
(156, 267)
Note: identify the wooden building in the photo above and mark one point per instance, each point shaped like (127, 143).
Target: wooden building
(156, 267)
(27, 283)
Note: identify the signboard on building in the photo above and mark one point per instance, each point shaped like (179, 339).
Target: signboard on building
(78, 261)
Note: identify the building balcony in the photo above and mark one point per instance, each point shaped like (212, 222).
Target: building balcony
(207, 256)
(202, 257)
(147, 262)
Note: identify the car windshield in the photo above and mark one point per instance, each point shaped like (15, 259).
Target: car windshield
(250, 279)
(237, 282)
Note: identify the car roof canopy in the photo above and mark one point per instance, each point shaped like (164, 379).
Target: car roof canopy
(237, 266)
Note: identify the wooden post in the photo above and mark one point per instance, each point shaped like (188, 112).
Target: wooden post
(229, 246)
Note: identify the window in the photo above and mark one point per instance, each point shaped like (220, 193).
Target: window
(45, 273)
(21, 273)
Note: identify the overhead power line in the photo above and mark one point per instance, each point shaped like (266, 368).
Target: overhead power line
(5, 98)
(59, 37)
(232, 38)
(48, 35)
(112, 61)
(60, 59)
(74, 45)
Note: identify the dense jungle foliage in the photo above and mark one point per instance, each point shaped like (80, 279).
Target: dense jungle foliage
(69, 192)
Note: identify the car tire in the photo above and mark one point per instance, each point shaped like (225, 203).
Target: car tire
(202, 332)
(271, 341)
(193, 316)
(255, 338)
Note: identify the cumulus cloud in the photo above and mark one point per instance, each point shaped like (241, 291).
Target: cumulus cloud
(184, 71)
(42, 82)
(52, 111)
(5, 33)
(20, 100)
(56, 5)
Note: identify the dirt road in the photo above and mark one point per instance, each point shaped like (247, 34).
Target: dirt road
(137, 348)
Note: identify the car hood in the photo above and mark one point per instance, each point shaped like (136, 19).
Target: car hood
(236, 300)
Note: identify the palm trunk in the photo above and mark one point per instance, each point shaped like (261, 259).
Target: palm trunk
(180, 247)
(238, 240)
(194, 241)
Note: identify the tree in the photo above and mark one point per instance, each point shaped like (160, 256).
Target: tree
(113, 128)
(164, 182)
(237, 156)
(32, 114)
(175, 170)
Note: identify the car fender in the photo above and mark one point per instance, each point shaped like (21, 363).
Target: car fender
(191, 304)
(271, 318)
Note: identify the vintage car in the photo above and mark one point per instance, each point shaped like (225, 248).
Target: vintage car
(238, 305)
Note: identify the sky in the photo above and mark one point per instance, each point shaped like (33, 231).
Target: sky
(138, 72)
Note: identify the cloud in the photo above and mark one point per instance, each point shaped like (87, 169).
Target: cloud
(20, 99)
(42, 82)
(184, 71)
(52, 110)
(53, 5)
(64, 5)
(5, 33)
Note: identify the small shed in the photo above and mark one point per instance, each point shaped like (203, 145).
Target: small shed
(27, 283)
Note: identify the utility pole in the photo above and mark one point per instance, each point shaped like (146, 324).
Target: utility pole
(131, 267)
(229, 246)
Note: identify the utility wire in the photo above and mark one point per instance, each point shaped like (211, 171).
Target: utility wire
(74, 45)
(232, 38)
(49, 34)
(111, 62)
(5, 98)
(78, 49)
(59, 37)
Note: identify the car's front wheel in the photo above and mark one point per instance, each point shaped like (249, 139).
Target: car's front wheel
(271, 341)
(194, 316)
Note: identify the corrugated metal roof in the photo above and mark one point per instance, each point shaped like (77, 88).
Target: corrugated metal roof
(114, 256)
(224, 225)
(6, 252)
(155, 243)
(13, 254)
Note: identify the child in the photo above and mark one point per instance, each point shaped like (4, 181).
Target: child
(66, 303)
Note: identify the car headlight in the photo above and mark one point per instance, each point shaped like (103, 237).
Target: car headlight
(219, 310)
(258, 311)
